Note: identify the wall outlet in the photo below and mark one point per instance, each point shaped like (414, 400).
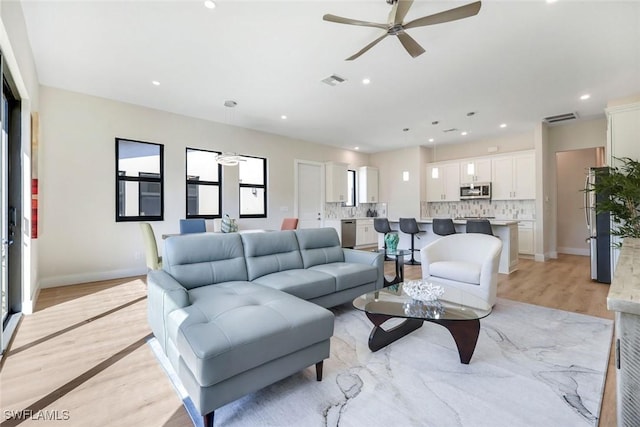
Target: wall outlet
(138, 255)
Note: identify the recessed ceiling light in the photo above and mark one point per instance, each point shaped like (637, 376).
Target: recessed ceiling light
(356, 148)
(504, 125)
(431, 139)
(155, 83)
(464, 133)
(209, 4)
(551, 1)
(283, 117)
(366, 81)
(585, 97)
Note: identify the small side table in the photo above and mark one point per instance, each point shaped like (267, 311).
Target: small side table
(399, 258)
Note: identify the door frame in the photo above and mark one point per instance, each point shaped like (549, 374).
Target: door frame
(296, 185)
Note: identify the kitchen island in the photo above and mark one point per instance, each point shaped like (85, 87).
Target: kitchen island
(505, 230)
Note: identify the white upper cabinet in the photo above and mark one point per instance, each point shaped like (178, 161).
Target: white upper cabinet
(336, 185)
(445, 185)
(367, 184)
(623, 133)
(475, 170)
(513, 177)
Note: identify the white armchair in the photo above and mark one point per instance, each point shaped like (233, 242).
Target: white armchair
(467, 261)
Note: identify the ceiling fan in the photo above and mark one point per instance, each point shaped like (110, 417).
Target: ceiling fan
(396, 27)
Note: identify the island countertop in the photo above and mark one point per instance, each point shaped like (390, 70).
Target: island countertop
(493, 221)
(624, 293)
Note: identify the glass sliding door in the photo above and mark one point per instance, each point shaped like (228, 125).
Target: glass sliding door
(11, 218)
(4, 225)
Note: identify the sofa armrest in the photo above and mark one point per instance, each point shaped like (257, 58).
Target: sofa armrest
(375, 259)
(164, 295)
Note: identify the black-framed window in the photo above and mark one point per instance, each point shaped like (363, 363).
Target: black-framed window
(252, 175)
(204, 184)
(351, 188)
(139, 180)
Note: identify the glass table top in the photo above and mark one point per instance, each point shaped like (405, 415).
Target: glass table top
(454, 304)
(399, 252)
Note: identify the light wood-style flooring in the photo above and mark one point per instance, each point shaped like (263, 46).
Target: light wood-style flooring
(83, 355)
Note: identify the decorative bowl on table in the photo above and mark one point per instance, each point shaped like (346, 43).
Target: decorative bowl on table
(422, 291)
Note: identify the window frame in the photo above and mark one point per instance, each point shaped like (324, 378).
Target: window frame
(121, 178)
(259, 186)
(201, 182)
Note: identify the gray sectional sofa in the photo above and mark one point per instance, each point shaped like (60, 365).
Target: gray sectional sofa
(237, 312)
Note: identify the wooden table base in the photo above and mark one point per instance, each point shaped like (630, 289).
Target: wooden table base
(464, 332)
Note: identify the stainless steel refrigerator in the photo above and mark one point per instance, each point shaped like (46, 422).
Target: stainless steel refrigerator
(599, 226)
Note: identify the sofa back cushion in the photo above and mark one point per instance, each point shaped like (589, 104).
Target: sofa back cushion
(270, 252)
(319, 246)
(205, 258)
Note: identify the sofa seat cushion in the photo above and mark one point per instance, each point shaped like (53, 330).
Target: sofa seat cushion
(460, 271)
(349, 275)
(236, 326)
(305, 284)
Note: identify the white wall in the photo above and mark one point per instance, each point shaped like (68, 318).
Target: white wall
(402, 197)
(81, 240)
(479, 148)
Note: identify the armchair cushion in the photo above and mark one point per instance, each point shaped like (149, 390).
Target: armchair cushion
(460, 271)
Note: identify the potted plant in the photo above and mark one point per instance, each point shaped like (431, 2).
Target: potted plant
(622, 185)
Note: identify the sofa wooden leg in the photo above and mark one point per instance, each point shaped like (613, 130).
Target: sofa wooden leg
(319, 370)
(207, 419)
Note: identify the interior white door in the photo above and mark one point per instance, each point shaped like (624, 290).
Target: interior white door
(309, 194)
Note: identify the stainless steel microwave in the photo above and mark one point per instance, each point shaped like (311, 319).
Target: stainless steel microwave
(475, 191)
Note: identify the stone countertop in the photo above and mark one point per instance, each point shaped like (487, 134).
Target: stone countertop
(464, 221)
(624, 293)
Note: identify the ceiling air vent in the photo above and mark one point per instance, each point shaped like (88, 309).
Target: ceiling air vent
(333, 80)
(450, 130)
(561, 118)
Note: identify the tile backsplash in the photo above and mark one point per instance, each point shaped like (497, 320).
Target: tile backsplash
(337, 211)
(501, 209)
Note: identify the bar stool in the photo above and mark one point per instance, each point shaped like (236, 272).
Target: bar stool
(381, 225)
(443, 226)
(410, 226)
(479, 226)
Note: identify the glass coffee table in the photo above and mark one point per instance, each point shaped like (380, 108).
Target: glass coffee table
(456, 310)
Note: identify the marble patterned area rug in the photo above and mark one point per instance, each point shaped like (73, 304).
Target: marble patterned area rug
(532, 366)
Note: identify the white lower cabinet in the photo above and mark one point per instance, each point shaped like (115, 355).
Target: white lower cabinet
(366, 235)
(526, 242)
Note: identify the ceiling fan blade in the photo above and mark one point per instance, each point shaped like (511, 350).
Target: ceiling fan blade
(366, 48)
(341, 20)
(412, 46)
(399, 11)
(461, 12)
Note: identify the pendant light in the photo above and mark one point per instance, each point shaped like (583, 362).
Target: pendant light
(229, 158)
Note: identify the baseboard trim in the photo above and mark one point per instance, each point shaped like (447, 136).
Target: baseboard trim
(574, 251)
(74, 279)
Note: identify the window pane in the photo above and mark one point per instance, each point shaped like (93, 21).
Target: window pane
(202, 164)
(136, 157)
(202, 200)
(252, 201)
(351, 188)
(139, 181)
(251, 171)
